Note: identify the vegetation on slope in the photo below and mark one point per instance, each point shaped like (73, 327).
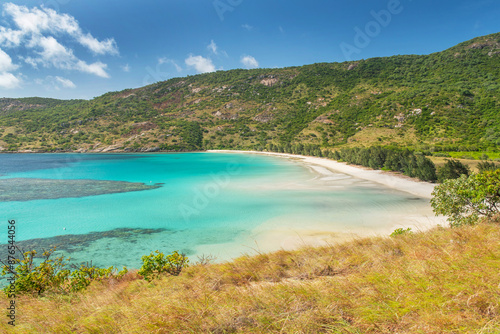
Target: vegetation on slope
(447, 101)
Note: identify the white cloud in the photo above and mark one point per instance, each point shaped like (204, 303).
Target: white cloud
(249, 62)
(247, 27)
(37, 21)
(56, 83)
(6, 62)
(201, 64)
(126, 68)
(41, 30)
(100, 48)
(66, 83)
(212, 47)
(54, 54)
(9, 37)
(165, 60)
(7, 79)
(96, 68)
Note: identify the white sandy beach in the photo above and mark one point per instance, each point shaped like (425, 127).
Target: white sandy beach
(391, 180)
(287, 233)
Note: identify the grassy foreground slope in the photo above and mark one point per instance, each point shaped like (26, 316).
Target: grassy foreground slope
(443, 101)
(439, 281)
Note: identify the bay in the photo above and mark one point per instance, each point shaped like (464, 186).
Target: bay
(221, 204)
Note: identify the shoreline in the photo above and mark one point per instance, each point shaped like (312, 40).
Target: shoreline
(274, 235)
(390, 180)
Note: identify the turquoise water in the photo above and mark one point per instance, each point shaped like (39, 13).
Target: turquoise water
(206, 203)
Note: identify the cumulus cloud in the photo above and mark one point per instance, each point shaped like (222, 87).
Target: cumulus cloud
(249, 62)
(201, 64)
(41, 31)
(126, 68)
(50, 53)
(7, 79)
(6, 64)
(37, 21)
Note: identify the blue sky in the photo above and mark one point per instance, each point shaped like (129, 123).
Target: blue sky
(83, 49)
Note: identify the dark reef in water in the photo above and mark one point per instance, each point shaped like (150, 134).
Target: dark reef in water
(77, 242)
(26, 189)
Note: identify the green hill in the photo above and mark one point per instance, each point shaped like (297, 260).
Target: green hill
(443, 101)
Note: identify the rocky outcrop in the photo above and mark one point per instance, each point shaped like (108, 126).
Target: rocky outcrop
(264, 117)
(269, 82)
(352, 66)
(225, 115)
(324, 119)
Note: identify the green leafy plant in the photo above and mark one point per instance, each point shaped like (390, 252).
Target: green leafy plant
(401, 231)
(466, 199)
(87, 273)
(51, 274)
(157, 263)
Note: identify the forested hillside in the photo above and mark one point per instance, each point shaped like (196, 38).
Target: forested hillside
(447, 101)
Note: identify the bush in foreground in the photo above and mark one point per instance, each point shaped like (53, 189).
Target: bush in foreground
(156, 264)
(51, 275)
(55, 275)
(465, 199)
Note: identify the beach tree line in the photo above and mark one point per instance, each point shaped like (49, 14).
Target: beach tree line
(410, 163)
(405, 161)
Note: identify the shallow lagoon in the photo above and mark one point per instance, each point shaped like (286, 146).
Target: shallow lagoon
(198, 203)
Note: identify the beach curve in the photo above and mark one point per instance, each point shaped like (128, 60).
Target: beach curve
(388, 179)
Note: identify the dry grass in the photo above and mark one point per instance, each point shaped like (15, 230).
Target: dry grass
(440, 281)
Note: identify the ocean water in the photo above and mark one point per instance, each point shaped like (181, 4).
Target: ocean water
(222, 204)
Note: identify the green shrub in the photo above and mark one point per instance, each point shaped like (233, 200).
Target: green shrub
(51, 275)
(466, 199)
(157, 263)
(401, 231)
